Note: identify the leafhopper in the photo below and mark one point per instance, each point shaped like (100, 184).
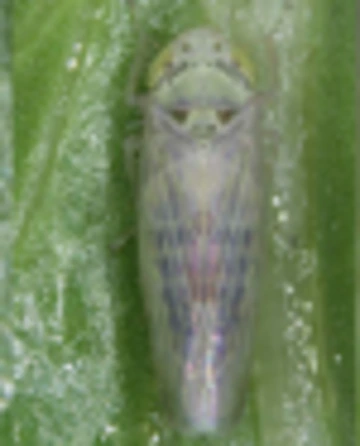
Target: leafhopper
(200, 202)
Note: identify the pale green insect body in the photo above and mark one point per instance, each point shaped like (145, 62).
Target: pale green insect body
(200, 203)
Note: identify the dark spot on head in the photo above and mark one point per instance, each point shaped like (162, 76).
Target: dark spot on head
(179, 115)
(225, 115)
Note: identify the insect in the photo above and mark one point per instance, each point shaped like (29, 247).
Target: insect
(200, 214)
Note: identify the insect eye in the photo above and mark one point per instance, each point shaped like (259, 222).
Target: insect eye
(226, 115)
(179, 115)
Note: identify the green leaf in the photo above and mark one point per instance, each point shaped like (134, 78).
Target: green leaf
(77, 368)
